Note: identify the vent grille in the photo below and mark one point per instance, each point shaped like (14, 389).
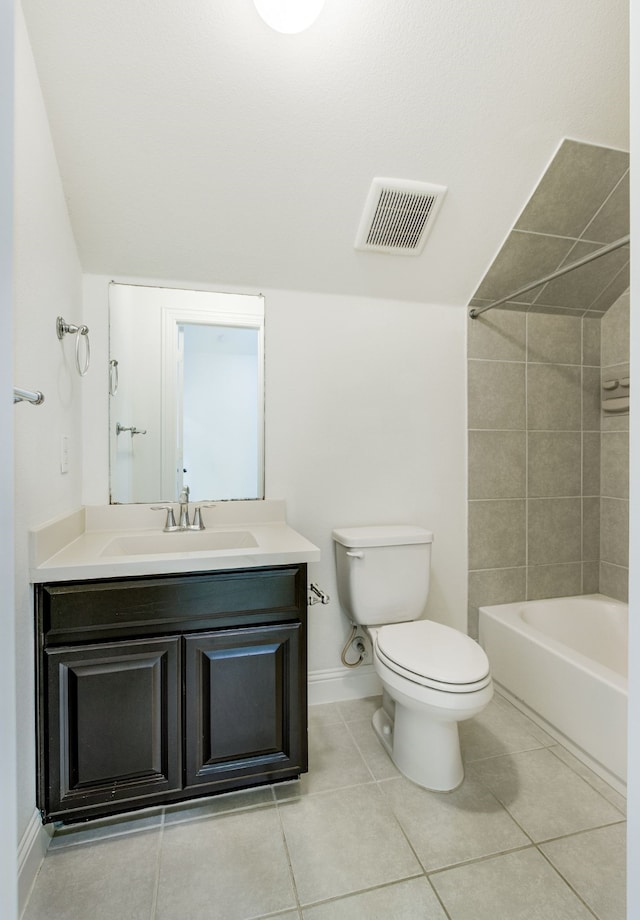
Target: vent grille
(398, 215)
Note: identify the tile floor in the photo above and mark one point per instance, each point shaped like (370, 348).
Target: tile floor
(530, 835)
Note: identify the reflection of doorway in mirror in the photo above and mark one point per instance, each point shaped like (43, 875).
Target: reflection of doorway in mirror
(217, 386)
(191, 376)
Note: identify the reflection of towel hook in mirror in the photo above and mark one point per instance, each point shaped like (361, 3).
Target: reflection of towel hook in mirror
(113, 377)
(120, 428)
(62, 328)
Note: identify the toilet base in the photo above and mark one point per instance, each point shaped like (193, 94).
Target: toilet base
(426, 751)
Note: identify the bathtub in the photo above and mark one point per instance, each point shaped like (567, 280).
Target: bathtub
(563, 661)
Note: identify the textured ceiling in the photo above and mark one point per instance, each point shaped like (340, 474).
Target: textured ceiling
(195, 144)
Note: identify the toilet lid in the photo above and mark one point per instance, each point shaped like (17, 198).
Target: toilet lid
(433, 651)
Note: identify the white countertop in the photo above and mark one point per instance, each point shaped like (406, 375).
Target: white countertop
(76, 546)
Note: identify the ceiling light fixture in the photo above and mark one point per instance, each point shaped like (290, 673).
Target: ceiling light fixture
(289, 16)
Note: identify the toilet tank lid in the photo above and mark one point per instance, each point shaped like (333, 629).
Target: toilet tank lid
(382, 535)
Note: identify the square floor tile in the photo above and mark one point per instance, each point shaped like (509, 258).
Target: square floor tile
(344, 841)
(229, 867)
(410, 900)
(499, 729)
(376, 758)
(323, 714)
(334, 762)
(594, 864)
(543, 795)
(517, 886)
(101, 880)
(609, 793)
(354, 710)
(448, 828)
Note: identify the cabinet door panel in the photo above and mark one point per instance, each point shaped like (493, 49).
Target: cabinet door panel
(114, 712)
(244, 714)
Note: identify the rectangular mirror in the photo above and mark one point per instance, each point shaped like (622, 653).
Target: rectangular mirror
(186, 394)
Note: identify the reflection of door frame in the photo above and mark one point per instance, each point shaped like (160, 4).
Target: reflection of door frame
(179, 434)
(172, 318)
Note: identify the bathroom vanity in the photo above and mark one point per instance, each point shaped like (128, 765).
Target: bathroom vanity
(158, 686)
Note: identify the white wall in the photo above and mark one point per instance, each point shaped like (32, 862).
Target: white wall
(8, 741)
(365, 423)
(633, 803)
(47, 282)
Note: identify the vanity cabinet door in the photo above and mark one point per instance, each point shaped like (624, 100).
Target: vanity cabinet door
(245, 711)
(113, 728)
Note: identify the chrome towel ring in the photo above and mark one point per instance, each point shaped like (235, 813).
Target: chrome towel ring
(62, 328)
(113, 377)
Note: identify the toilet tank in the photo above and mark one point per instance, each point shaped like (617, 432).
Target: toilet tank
(383, 572)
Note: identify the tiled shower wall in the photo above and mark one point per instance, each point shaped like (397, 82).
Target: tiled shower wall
(535, 446)
(614, 522)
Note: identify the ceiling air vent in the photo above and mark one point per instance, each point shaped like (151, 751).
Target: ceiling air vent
(398, 216)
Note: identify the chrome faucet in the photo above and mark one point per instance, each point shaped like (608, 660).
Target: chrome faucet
(183, 521)
(184, 509)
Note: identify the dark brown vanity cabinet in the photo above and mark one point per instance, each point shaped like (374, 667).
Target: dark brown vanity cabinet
(157, 689)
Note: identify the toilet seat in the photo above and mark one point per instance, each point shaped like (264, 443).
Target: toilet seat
(433, 655)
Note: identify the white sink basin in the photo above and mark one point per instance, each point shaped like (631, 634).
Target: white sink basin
(184, 541)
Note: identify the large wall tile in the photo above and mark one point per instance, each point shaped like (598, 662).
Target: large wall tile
(578, 180)
(554, 339)
(580, 289)
(496, 394)
(615, 464)
(614, 581)
(591, 342)
(615, 332)
(554, 530)
(591, 578)
(614, 531)
(616, 288)
(554, 463)
(524, 258)
(591, 399)
(498, 335)
(497, 464)
(591, 529)
(554, 397)
(591, 463)
(494, 586)
(496, 534)
(554, 580)
(612, 220)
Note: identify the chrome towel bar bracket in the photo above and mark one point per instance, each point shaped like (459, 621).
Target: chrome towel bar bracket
(63, 328)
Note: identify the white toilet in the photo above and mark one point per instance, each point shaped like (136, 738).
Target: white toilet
(432, 676)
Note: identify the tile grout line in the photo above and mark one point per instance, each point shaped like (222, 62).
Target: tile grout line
(292, 876)
(425, 872)
(567, 883)
(156, 887)
(538, 843)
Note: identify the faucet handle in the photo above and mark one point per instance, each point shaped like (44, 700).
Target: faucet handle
(170, 523)
(198, 523)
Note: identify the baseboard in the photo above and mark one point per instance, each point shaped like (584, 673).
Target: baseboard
(31, 851)
(336, 684)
